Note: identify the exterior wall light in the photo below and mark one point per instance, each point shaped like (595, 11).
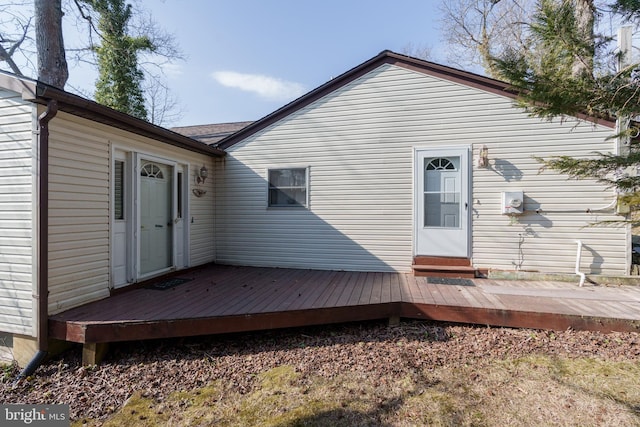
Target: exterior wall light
(201, 174)
(483, 157)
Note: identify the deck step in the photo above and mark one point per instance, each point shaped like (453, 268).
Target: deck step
(439, 260)
(432, 266)
(457, 271)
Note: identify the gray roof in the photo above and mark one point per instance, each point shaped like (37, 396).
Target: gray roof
(212, 133)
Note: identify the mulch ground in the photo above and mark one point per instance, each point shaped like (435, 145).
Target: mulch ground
(159, 368)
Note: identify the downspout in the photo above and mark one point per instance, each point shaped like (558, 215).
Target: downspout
(578, 257)
(42, 290)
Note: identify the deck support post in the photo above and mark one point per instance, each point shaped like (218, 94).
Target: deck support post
(394, 321)
(93, 352)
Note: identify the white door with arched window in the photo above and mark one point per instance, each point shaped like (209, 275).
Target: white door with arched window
(156, 217)
(148, 229)
(442, 202)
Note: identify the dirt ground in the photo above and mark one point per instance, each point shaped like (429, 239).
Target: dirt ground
(155, 369)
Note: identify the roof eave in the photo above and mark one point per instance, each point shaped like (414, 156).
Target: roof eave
(40, 93)
(385, 57)
(82, 107)
(303, 101)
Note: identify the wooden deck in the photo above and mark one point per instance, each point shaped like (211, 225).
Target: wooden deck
(222, 299)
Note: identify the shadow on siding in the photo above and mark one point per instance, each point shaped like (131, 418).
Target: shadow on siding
(250, 233)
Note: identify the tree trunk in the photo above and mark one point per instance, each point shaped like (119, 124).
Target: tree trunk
(585, 20)
(52, 63)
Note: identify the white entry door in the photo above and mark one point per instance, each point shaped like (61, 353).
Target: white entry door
(156, 232)
(442, 202)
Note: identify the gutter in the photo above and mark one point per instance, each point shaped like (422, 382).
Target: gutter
(91, 110)
(41, 295)
(41, 93)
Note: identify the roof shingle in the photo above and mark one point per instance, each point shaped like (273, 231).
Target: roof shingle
(212, 133)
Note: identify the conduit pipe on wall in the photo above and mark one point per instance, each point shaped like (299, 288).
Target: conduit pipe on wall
(578, 258)
(608, 208)
(41, 296)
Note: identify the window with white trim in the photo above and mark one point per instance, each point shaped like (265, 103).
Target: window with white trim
(288, 187)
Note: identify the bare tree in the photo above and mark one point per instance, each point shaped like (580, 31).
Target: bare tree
(418, 51)
(162, 107)
(19, 50)
(478, 30)
(15, 25)
(52, 62)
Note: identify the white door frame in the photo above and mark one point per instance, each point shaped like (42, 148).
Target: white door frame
(463, 234)
(121, 229)
(181, 223)
(180, 256)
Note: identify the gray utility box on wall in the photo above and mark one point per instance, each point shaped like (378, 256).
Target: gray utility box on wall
(513, 202)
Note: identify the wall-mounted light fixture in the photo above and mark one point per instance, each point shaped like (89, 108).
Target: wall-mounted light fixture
(201, 174)
(483, 157)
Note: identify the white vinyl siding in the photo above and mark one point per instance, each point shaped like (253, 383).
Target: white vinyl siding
(17, 180)
(546, 240)
(80, 212)
(359, 141)
(202, 218)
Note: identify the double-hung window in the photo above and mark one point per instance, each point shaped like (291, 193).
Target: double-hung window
(288, 187)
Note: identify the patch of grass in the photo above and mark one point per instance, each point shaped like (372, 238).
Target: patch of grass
(6, 369)
(534, 390)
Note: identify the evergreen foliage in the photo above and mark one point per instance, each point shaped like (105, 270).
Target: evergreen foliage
(119, 84)
(628, 9)
(550, 88)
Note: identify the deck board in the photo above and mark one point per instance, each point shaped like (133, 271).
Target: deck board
(340, 288)
(416, 294)
(483, 299)
(634, 309)
(278, 287)
(403, 287)
(289, 293)
(336, 283)
(411, 292)
(428, 290)
(220, 299)
(311, 291)
(250, 292)
(472, 298)
(223, 287)
(395, 293)
(350, 289)
(359, 291)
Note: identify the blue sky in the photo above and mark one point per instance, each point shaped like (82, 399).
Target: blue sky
(246, 58)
